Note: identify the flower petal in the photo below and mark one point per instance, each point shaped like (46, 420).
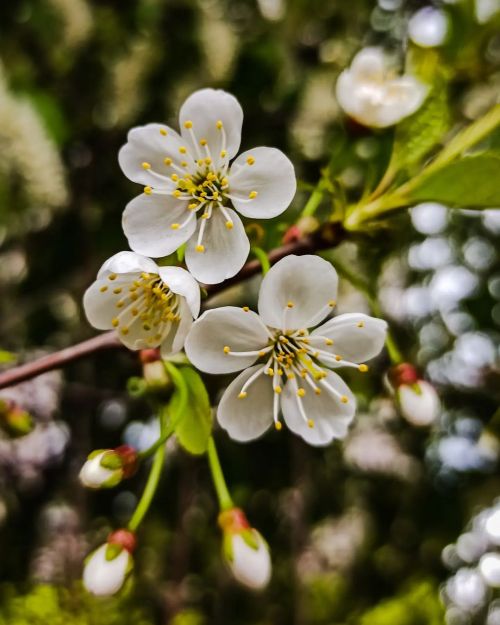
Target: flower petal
(330, 415)
(149, 145)
(369, 65)
(182, 283)
(227, 326)
(175, 339)
(99, 306)
(226, 250)
(307, 283)
(356, 337)
(267, 172)
(127, 262)
(147, 224)
(248, 418)
(104, 577)
(204, 109)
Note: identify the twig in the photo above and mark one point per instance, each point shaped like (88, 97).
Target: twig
(328, 236)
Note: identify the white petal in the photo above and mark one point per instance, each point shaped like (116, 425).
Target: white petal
(176, 338)
(99, 307)
(419, 408)
(227, 326)
(225, 250)
(127, 262)
(147, 224)
(248, 418)
(204, 109)
(331, 417)
(356, 337)
(369, 64)
(402, 97)
(147, 145)
(309, 283)
(93, 474)
(271, 176)
(105, 577)
(251, 567)
(182, 282)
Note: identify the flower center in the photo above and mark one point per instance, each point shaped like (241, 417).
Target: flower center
(146, 302)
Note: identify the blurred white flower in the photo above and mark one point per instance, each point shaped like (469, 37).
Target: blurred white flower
(107, 568)
(428, 27)
(149, 306)
(296, 294)
(189, 184)
(418, 400)
(371, 94)
(489, 567)
(245, 551)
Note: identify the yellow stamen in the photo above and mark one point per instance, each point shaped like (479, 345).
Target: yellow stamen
(277, 425)
(361, 324)
(115, 322)
(310, 423)
(163, 132)
(175, 226)
(229, 225)
(250, 160)
(344, 399)
(112, 276)
(103, 289)
(363, 368)
(252, 195)
(332, 303)
(277, 389)
(188, 124)
(301, 392)
(200, 248)
(167, 161)
(242, 395)
(117, 291)
(148, 190)
(290, 304)
(219, 124)
(182, 150)
(246, 309)
(223, 154)
(226, 349)
(146, 165)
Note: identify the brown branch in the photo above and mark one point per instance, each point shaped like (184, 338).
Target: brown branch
(329, 236)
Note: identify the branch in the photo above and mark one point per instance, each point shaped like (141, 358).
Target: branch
(328, 236)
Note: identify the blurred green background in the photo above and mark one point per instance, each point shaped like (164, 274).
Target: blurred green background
(357, 530)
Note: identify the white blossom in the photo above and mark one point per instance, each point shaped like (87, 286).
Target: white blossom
(148, 305)
(294, 375)
(419, 402)
(489, 567)
(189, 184)
(106, 468)
(428, 27)
(373, 95)
(106, 570)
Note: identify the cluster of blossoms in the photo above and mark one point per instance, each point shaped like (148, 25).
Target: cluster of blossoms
(195, 189)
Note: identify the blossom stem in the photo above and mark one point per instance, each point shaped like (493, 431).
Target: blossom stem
(225, 501)
(314, 200)
(153, 479)
(263, 259)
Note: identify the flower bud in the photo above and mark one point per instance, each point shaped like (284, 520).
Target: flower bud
(153, 369)
(244, 550)
(14, 420)
(305, 225)
(106, 468)
(418, 400)
(107, 568)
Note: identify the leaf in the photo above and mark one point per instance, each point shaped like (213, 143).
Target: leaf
(471, 182)
(191, 411)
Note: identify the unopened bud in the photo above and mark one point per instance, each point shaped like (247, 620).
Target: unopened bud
(244, 550)
(106, 468)
(107, 568)
(417, 399)
(153, 369)
(14, 420)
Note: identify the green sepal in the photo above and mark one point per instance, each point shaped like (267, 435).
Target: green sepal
(227, 547)
(111, 460)
(416, 388)
(181, 251)
(250, 536)
(113, 480)
(112, 551)
(136, 386)
(95, 453)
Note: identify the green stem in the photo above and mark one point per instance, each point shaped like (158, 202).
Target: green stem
(225, 501)
(314, 200)
(181, 387)
(263, 258)
(143, 455)
(153, 479)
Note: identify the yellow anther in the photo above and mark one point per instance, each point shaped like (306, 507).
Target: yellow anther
(280, 371)
(252, 195)
(163, 132)
(283, 339)
(344, 399)
(277, 425)
(146, 327)
(224, 181)
(250, 160)
(332, 303)
(290, 375)
(124, 330)
(262, 353)
(192, 206)
(246, 308)
(200, 248)
(303, 374)
(148, 190)
(229, 225)
(361, 324)
(306, 342)
(145, 276)
(310, 423)
(208, 161)
(338, 358)
(175, 226)
(301, 392)
(223, 153)
(203, 142)
(363, 368)
(182, 150)
(174, 177)
(177, 193)
(117, 291)
(112, 276)
(219, 124)
(167, 161)
(146, 165)
(103, 289)
(277, 389)
(328, 342)
(205, 215)
(317, 390)
(270, 371)
(115, 322)
(188, 124)
(242, 395)
(134, 312)
(290, 304)
(226, 349)
(184, 164)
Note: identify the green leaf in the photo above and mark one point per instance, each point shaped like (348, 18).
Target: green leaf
(471, 182)
(191, 412)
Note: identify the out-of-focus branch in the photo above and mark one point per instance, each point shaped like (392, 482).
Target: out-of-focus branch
(328, 236)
